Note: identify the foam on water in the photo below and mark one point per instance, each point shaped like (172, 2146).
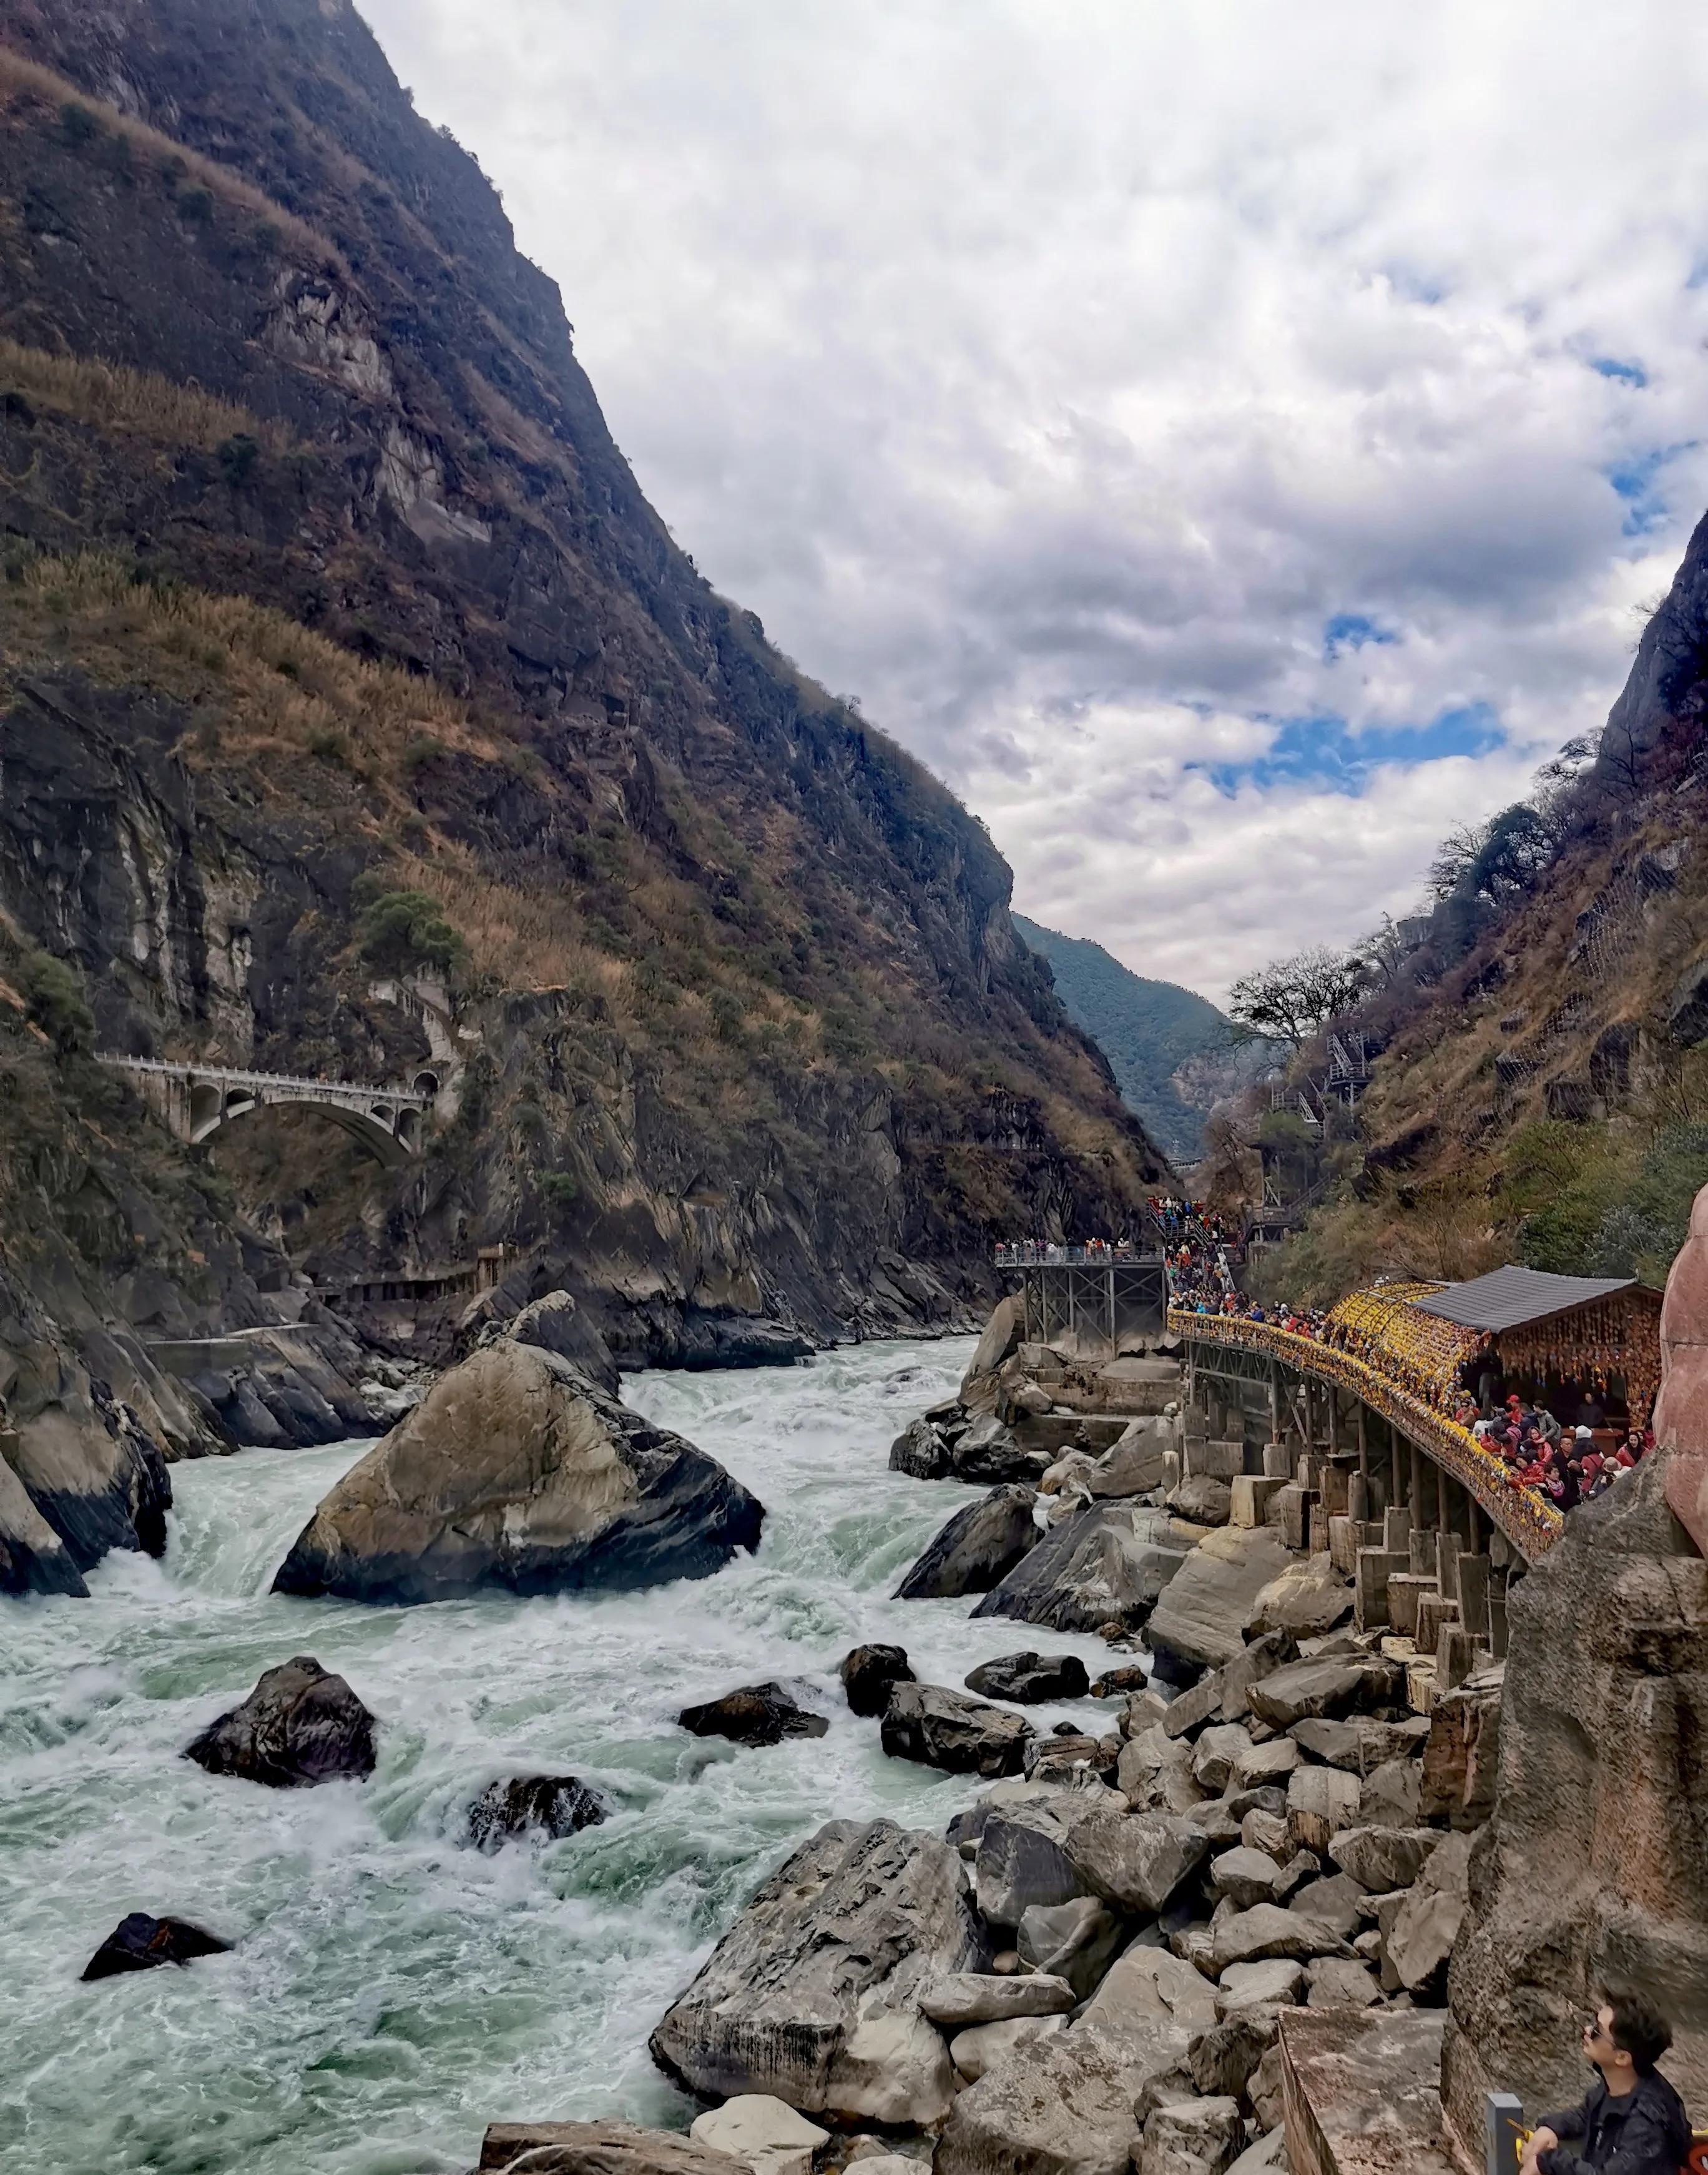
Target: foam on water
(392, 1990)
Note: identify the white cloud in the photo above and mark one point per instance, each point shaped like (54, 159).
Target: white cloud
(1048, 376)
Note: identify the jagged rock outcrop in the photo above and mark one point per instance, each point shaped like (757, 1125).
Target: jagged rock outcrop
(517, 1471)
(1594, 1867)
(870, 1673)
(813, 1993)
(753, 1714)
(140, 1942)
(595, 2148)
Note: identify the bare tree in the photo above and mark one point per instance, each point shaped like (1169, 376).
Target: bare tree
(1292, 1000)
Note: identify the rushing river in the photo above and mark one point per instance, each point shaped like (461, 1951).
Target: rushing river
(393, 1990)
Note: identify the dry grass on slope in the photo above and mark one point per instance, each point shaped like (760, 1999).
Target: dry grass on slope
(113, 398)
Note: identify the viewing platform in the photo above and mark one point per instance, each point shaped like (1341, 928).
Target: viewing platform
(1094, 1300)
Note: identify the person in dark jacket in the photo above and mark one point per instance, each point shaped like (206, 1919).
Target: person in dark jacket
(1631, 2122)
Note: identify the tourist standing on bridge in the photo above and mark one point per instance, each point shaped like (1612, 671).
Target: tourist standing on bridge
(1631, 2122)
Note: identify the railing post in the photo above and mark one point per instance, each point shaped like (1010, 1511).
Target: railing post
(1503, 2123)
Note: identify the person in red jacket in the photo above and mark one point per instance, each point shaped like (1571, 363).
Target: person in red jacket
(1631, 2122)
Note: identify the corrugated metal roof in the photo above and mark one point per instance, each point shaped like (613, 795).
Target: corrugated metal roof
(1504, 1298)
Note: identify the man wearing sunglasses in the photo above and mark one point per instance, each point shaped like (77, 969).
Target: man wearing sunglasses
(1632, 2122)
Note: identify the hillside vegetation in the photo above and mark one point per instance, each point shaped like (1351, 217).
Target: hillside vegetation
(1542, 1089)
(1172, 1052)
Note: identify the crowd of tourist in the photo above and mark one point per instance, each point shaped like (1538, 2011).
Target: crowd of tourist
(1565, 1464)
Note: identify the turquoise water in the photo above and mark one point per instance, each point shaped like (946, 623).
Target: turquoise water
(393, 1991)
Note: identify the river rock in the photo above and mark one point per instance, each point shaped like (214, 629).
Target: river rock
(1266, 1931)
(990, 1451)
(1333, 1902)
(1146, 1983)
(1361, 1744)
(1075, 1940)
(964, 1999)
(764, 2133)
(1276, 1983)
(870, 1673)
(1133, 1465)
(1028, 1678)
(548, 1805)
(981, 2048)
(921, 1452)
(944, 1729)
(1193, 2137)
(1327, 1685)
(1059, 2106)
(1381, 1860)
(1023, 1859)
(1134, 1861)
(1154, 1772)
(1217, 1752)
(33, 1557)
(555, 1324)
(1426, 1924)
(140, 1943)
(595, 2148)
(1339, 1982)
(301, 1725)
(1320, 1801)
(517, 1470)
(1245, 1876)
(1309, 1598)
(1200, 1622)
(1222, 2057)
(753, 1715)
(813, 1993)
(1201, 1499)
(1096, 1567)
(1000, 1335)
(979, 1545)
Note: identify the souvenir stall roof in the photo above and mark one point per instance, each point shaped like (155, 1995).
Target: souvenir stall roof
(1507, 1298)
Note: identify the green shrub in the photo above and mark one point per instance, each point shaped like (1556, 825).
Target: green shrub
(238, 458)
(197, 205)
(77, 124)
(559, 1188)
(53, 997)
(405, 932)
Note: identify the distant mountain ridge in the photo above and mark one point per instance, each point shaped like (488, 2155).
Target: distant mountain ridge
(1147, 1029)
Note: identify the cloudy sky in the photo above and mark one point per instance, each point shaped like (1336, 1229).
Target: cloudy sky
(1230, 443)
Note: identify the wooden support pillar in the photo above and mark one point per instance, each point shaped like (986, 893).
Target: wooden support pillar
(1397, 1486)
(1363, 1440)
(1275, 1430)
(1418, 1517)
(1443, 1521)
(1333, 1420)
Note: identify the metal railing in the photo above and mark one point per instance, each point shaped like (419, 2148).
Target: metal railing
(1073, 1257)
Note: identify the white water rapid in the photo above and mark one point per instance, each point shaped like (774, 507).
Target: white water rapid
(392, 1990)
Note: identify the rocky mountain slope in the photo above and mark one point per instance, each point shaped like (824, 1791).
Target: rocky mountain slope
(1172, 1052)
(343, 660)
(1542, 1092)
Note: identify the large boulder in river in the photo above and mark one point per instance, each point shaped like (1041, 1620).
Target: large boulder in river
(1200, 1621)
(1027, 1678)
(753, 1714)
(944, 1729)
(140, 1942)
(301, 1725)
(870, 1673)
(1099, 1564)
(813, 1993)
(517, 1470)
(990, 1451)
(549, 1806)
(979, 1545)
(920, 1451)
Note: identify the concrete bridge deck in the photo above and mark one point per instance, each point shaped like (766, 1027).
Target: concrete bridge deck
(196, 1099)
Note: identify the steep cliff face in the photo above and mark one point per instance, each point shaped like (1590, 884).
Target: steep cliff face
(325, 584)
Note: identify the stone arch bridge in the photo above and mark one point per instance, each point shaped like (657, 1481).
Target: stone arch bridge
(195, 1100)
